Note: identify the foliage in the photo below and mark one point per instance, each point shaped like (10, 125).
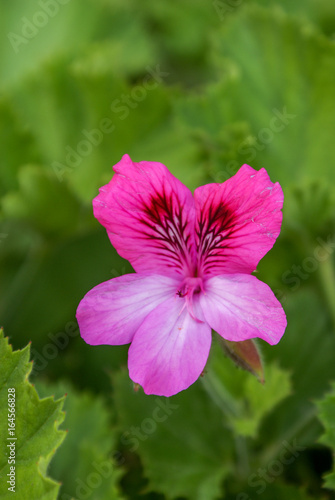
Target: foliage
(88, 463)
(29, 429)
(327, 416)
(202, 87)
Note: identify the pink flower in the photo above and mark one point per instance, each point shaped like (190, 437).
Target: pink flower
(193, 257)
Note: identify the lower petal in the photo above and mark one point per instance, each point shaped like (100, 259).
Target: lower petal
(111, 312)
(169, 350)
(240, 307)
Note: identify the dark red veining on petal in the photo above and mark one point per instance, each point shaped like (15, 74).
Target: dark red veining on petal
(214, 230)
(168, 228)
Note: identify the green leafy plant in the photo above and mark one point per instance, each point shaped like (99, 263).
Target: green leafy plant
(30, 434)
(202, 87)
(326, 409)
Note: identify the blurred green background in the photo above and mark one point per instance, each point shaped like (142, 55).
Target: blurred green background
(202, 87)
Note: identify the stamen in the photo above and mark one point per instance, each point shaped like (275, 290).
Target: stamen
(190, 286)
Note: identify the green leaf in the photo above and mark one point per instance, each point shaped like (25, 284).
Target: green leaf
(306, 349)
(46, 291)
(91, 439)
(182, 441)
(259, 401)
(240, 396)
(309, 210)
(183, 40)
(264, 60)
(308, 341)
(326, 409)
(43, 202)
(36, 429)
(39, 30)
(94, 116)
(170, 144)
(12, 133)
(66, 91)
(318, 12)
(272, 489)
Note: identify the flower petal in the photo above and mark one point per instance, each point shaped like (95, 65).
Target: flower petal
(240, 307)
(149, 216)
(111, 312)
(238, 222)
(169, 350)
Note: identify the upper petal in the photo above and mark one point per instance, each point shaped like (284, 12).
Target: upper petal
(111, 312)
(240, 307)
(149, 216)
(169, 350)
(237, 222)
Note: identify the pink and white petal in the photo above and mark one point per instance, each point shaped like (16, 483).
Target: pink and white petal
(111, 312)
(149, 216)
(169, 350)
(238, 221)
(240, 307)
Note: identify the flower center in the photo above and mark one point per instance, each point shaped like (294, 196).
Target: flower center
(191, 286)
